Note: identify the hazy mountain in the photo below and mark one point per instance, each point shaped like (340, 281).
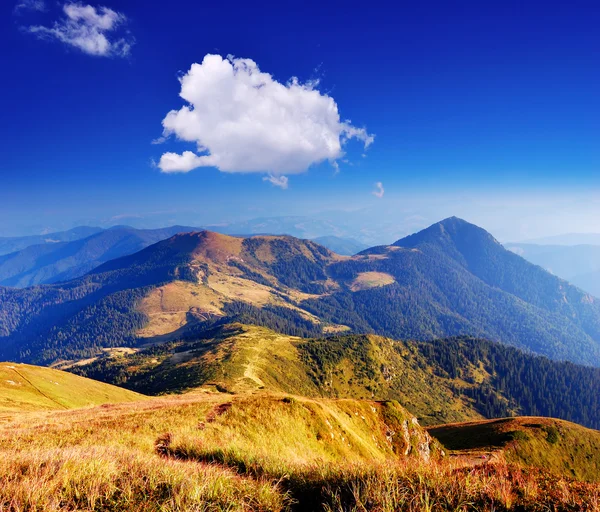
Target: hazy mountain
(365, 226)
(297, 226)
(588, 282)
(578, 264)
(61, 261)
(452, 278)
(566, 239)
(13, 244)
(339, 245)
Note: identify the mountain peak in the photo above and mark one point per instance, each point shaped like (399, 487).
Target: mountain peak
(450, 232)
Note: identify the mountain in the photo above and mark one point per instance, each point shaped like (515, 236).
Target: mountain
(14, 244)
(343, 246)
(62, 261)
(443, 381)
(589, 282)
(450, 279)
(566, 239)
(33, 388)
(454, 278)
(184, 280)
(578, 264)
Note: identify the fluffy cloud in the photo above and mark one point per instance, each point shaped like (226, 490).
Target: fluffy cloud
(379, 190)
(242, 121)
(88, 29)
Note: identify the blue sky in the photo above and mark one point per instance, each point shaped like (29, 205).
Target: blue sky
(490, 110)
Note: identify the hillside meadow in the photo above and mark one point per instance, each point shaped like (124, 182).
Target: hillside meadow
(207, 451)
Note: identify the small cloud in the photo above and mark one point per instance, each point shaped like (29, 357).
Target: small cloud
(159, 140)
(88, 29)
(278, 181)
(29, 5)
(242, 120)
(379, 190)
(125, 216)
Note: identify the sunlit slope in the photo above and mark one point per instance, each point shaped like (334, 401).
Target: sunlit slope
(241, 358)
(203, 451)
(561, 447)
(442, 381)
(28, 388)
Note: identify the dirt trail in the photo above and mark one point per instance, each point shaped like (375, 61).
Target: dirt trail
(472, 459)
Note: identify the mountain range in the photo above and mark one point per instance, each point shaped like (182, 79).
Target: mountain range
(13, 244)
(55, 260)
(64, 260)
(450, 279)
(290, 377)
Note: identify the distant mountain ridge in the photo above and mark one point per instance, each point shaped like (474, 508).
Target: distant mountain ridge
(566, 239)
(17, 243)
(62, 261)
(450, 279)
(578, 264)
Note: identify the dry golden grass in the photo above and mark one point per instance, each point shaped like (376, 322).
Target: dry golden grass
(263, 452)
(30, 388)
(167, 306)
(367, 280)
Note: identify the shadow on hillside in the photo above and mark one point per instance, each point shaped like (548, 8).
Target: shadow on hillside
(473, 436)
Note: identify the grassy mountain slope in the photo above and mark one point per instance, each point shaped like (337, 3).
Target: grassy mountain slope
(561, 447)
(443, 381)
(17, 243)
(61, 261)
(202, 452)
(451, 279)
(27, 388)
(259, 451)
(186, 279)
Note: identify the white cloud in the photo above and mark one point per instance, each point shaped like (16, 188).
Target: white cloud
(242, 121)
(379, 190)
(88, 29)
(278, 181)
(30, 5)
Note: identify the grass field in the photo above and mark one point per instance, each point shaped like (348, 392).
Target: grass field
(261, 451)
(246, 440)
(26, 387)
